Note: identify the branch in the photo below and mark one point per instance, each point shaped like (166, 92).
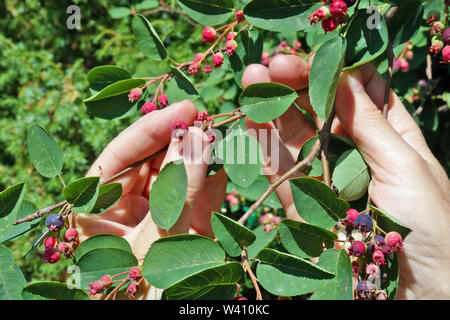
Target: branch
(247, 268)
(40, 213)
(324, 138)
(390, 55)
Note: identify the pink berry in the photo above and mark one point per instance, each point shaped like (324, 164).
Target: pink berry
(194, 68)
(202, 116)
(135, 273)
(106, 280)
(276, 220)
(179, 129)
(446, 54)
(372, 270)
(446, 36)
(396, 63)
(436, 46)
(409, 55)
(148, 107)
(378, 257)
(266, 218)
(357, 249)
(404, 65)
(49, 242)
(132, 289)
(71, 236)
(217, 60)
(65, 249)
(231, 35)
(209, 34)
(135, 94)
(352, 214)
(207, 69)
(239, 16)
(231, 46)
(297, 44)
(338, 8)
(96, 287)
(394, 240)
(320, 14)
(198, 57)
(163, 101)
(329, 24)
(51, 255)
(232, 199)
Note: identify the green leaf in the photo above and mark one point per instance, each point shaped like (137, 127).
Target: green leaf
(351, 175)
(287, 275)
(112, 101)
(263, 240)
(364, 44)
(263, 102)
(280, 15)
(11, 278)
(96, 263)
(181, 87)
(108, 196)
(242, 158)
(232, 235)
(324, 75)
(211, 12)
(305, 240)
(388, 223)
(45, 154)
(406, 22)
(218, 283)
(26, 208)
(102, 76)
(82, 193)
(317, 203)
(255, 190)
(340, 287)
(50, 290)
(147, 38)
(119, 12)
(10, 202)
(167, 198)
(147, 4)
(174, 258)
(391, 269)
(102, 241)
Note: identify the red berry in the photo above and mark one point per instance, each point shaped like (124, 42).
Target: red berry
(202, 116)
(394, 240)
(51, 255)
(217, 60)
(231, 35)
(194, 68)
(320, 14)
(404, 65)
(231, 46)
(49, 242)
(96, 287)
(432, 18)
(209, 34)
(135, 94)
(329, 24)
(409, 55)
(198, 57)
(71, 236)
(148, 107)
(297, 44)
(378, 257)
(338, 8)
(107, 280)
(239, 16)
(132, 289)
(65, 249)
(357, 249)
(179, 129)
(446, 36)
(207, 69)
(352, 214)
(446, 54)
(135, 273)
(163, 101)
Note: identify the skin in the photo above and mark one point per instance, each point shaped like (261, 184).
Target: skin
(407, 180)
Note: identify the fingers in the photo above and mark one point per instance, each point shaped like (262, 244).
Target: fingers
(289, 70)
(143, 138)
(255, 73)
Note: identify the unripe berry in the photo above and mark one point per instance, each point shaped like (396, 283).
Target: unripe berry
(329, 24)
(163, 101)
(266, 218)
(198, 57)
(239, 16)
(51, 255)
(446, 36)
(320, 14)
(338, 8)
(436, 45)
(135, 273)
(135, 94)
(209, 34)
(276, 220)
(148, 107)
(378, 257)
(365, 290)
(106, 280)
(437, 27)
(54, 222)
(217, 60)
(231, 46)
(207, 69)
(357, 249)
(71, 236)
(394, 240)
(446, 54)
(363, 222)
(49, 242)
(179, 129)
(132, 289)
(297, 44)
(232, 199)
(352, 214)
(231, 35)
(65, 249)
(409, 55)
(96, 287)
(194, 68)
(202, 116)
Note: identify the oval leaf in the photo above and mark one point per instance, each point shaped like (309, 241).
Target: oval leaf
(147, 38)
(11, 278)
(263, 240)
(174, 258)
(49, 290)
(10, 202)
(102, 76)
(211, 12)
(108, 196)
(263, 102)
(167, 198)
(232, 235)
(102, 241)
(82, 193)
(181, 87)
(45, 154)
(324, 75)
(25, 209)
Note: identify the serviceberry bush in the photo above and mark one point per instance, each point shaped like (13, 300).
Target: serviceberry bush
(347, 248)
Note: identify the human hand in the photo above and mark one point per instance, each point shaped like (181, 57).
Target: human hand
(407, 180)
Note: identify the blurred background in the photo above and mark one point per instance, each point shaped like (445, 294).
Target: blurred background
(43, 66)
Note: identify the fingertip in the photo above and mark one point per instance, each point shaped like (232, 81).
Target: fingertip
(255, 73)
(290, 70)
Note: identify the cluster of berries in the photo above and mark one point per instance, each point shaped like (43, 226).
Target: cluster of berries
(180, 129)
(401, 62)
(332, 14)
(134, 275)
(53, 246)
(440, 36)
(369, 253)
(233, 198)
(417, 91)
(284, 48)
(136, 93)
(269, 221)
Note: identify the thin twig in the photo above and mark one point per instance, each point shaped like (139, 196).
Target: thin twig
(390, 56)
(40, 213)
(247, 268)
(324, 138)
(117, 288)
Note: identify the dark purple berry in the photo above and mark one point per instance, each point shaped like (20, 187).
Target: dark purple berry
(54, 222)
(379, 240)
(363, 222)
(365, 290)
(446, 36)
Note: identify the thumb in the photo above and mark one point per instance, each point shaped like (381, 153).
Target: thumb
(379, 143)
